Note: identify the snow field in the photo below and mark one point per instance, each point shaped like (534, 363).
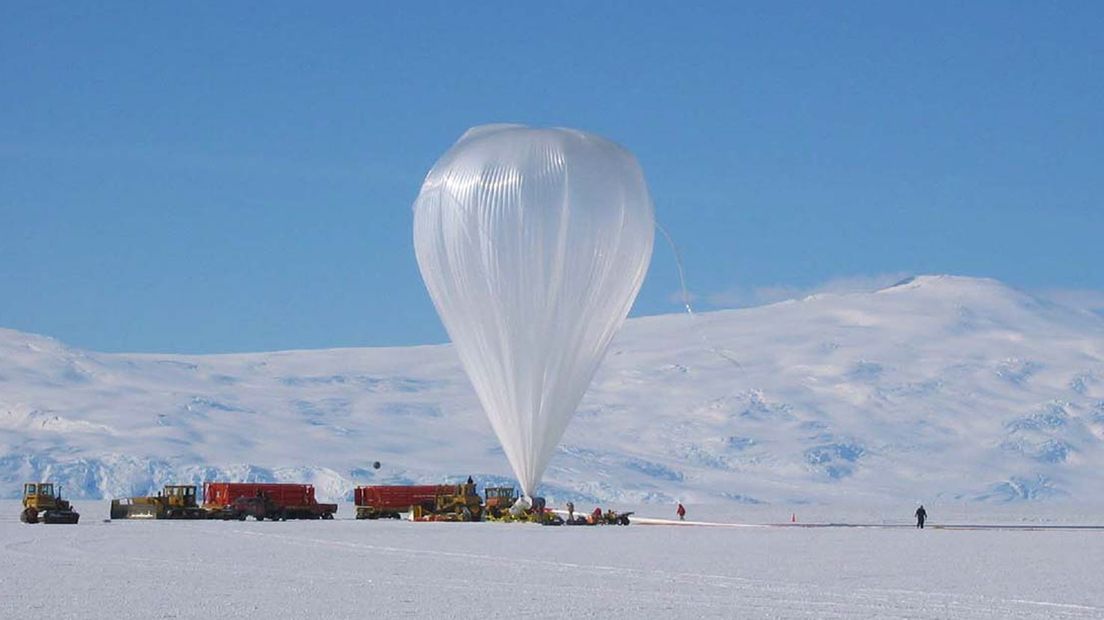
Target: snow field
(348, 568)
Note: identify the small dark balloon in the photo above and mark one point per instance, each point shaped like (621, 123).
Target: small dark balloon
(376, 465)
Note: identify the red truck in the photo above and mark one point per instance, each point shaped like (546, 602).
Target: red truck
(264, 500)
(445, 502)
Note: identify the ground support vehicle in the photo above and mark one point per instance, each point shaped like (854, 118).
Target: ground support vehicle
(598, 517)
(263, 500)
(501, 504)
(547, 517)
(498, 501)
(442, 502)
(175, 501)
(260, 508)
(42, 505)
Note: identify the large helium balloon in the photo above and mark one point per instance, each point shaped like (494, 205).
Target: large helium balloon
(533, 244)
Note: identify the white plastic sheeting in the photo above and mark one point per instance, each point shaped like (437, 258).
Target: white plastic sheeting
(533, 244)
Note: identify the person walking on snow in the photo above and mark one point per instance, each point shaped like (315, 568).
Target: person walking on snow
(921, 515)
(681, 512)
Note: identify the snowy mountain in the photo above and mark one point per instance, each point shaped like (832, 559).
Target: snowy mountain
(938, 387)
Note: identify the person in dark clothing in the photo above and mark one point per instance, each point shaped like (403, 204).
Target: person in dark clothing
(681, 512)
(921, 516)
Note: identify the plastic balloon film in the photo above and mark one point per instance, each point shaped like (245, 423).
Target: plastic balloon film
(533, 244)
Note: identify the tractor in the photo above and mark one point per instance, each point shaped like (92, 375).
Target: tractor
(176, 501)
(41, 504)
(452, 502)
(498, 501)
(501, 504)
(463, 505)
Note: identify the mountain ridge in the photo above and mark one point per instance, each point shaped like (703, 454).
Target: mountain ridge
(944, 387)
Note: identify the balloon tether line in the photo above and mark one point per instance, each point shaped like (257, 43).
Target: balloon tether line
(686, 302)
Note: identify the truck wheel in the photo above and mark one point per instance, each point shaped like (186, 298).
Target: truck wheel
(328, 516)
(29, 515)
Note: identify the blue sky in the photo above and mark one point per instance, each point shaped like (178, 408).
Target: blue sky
(209, 179)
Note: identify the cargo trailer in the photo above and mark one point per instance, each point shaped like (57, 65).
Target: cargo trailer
(439, 502)
(264, 500)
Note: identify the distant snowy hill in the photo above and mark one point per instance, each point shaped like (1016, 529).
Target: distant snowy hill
(939, 387)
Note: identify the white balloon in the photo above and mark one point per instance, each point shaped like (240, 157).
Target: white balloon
(533, 244)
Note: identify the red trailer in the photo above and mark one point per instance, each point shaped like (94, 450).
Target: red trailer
(264, 500)
(450, 501)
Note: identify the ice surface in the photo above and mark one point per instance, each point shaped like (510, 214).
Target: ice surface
(346, 568)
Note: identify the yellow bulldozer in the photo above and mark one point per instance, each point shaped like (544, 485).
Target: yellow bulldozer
(459, 502)
(42, 505)
(175, 501)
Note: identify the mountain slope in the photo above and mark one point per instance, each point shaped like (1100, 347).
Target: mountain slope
(938, 387)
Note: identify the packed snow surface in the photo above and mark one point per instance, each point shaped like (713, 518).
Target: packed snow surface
(940, 389)
(346, 568)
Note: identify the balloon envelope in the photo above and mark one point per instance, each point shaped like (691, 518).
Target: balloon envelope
(533, 244)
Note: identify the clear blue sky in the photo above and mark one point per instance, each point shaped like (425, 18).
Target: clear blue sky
(206, 179)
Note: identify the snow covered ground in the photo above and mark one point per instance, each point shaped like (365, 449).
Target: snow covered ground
(347, 568)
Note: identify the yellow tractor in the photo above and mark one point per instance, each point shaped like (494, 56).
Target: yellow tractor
(498, 502)
(176, 501)
(465, 505)
(501, 505)
(452, 503)
(41, 504)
